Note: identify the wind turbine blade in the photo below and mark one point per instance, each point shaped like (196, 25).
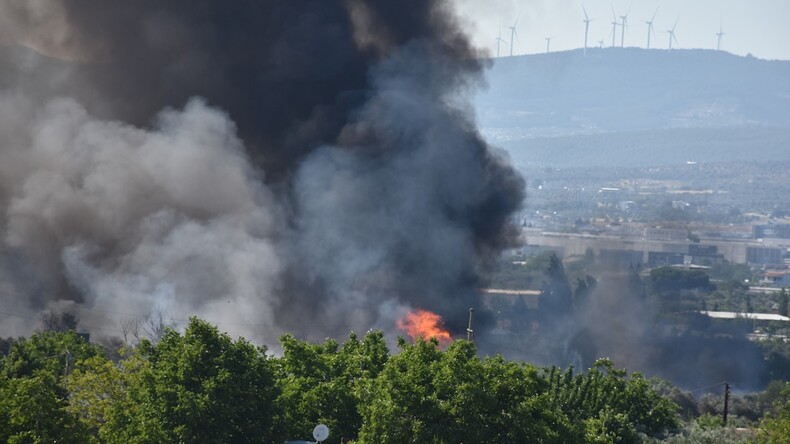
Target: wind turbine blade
(654, 15)
(516, 22)
(676, 24)
(585, 14)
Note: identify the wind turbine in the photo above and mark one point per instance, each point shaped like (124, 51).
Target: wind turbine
(587, 21)
(548, 43)
(614, 27)
(719, 34)
(513, 34)
(624, 25)
(672, 34)
(498, 41)
(650, 28)
(600, 43)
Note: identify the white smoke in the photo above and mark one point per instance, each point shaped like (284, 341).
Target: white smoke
(173, 219)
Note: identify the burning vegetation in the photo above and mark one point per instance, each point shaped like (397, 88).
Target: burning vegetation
(424, 324)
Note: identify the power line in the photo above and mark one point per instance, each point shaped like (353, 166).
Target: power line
(708, 387)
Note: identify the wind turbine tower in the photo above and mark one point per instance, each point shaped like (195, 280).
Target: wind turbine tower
(672, 34)
(650, 29)
(513, 34)
(624, 25)
(614, 27)
(587, 21)
(498, 41)
(719, 34)
(548, 43)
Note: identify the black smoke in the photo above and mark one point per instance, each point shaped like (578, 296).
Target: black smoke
(309, 165)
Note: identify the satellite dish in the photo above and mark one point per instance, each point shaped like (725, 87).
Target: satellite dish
(320, 432)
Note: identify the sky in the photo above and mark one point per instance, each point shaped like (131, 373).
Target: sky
(757, 27)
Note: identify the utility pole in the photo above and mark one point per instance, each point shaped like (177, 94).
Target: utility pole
(726, 402)
(470, 334)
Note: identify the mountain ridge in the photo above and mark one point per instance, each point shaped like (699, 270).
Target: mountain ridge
(651, 95)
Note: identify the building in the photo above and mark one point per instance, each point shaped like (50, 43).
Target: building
(763, 255)
(778, 231)
(666, 234)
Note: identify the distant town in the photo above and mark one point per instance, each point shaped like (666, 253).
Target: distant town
(695, 215)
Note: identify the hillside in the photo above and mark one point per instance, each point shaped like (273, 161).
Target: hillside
(545, 106)
(652, 147)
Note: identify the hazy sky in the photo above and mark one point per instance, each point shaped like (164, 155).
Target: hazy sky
(759, 27)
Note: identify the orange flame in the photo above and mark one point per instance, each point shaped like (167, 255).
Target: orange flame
(423, 323)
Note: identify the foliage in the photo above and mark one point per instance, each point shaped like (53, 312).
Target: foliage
(727, 271)
(775, 427)
(663, 279)
(699, 434)
(203, 386)
(425, 395)
(33, 409)
(611, 402)
(53, 352)
(325, 383)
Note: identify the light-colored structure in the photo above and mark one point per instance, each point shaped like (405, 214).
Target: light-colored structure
(736, 251)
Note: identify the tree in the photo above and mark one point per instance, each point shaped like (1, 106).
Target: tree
(33, 409)
(33, 401)
(428, 395)
(557, 297)
(54, 352)
(199, 387)
(325, 383)
(775, 427)
(584, 287)
(100, 394)
(611, 403)
(783, 301)
(665, 279)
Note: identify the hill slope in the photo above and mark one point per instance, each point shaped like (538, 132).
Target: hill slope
(545, 106)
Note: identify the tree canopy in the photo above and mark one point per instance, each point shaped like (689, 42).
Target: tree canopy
(201, 385)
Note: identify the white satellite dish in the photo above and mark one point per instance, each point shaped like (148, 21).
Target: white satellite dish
(320, 432)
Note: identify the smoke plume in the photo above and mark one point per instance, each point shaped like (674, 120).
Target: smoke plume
(308, 166)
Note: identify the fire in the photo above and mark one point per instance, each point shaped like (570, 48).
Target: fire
(425, 324)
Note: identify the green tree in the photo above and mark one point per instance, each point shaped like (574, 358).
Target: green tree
(783, 302)
(198, 387)
(54, 352)
(428, 395)
(663, 279)
(100, 395)
(775, 427)
(34, 409)
(325, 383)
(611, 402)
(33, 400)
